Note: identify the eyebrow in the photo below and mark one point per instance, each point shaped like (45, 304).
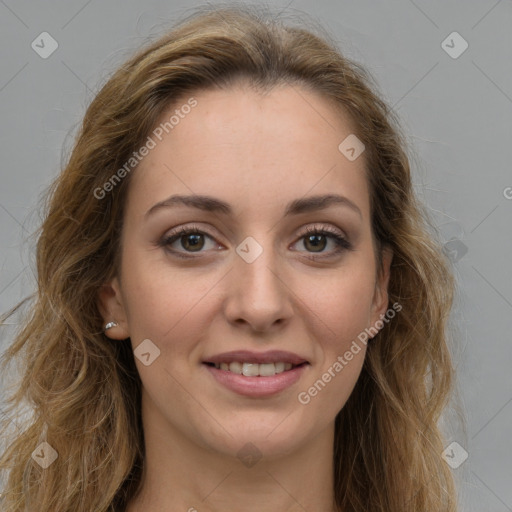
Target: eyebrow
(212, 204)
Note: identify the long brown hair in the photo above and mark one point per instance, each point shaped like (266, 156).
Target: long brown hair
(84, 390)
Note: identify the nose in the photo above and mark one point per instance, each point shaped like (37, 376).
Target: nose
(259, 295)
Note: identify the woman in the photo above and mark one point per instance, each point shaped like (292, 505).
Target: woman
(239, 303)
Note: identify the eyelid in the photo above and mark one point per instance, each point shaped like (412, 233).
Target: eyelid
(315, 228)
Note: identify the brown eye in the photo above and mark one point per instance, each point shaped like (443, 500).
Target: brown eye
(192, 241)
(316, 240)
(187, 241)
(315, 243)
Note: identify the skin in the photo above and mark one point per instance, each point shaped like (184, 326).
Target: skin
(257, 153)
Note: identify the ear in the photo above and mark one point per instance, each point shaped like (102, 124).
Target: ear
(110, 305)
(380, 297)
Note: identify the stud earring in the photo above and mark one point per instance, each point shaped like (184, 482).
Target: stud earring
(110, 325)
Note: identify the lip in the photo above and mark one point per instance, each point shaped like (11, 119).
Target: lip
(246, 356)
(256, 387)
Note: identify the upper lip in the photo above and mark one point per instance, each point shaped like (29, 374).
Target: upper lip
(246, 356)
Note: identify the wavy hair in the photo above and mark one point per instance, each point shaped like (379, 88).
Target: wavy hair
(84, 391)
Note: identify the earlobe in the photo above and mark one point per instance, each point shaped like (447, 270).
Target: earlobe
(112, 310)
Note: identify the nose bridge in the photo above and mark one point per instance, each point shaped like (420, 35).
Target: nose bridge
(257, 267)
(255, 270)
(257, 292)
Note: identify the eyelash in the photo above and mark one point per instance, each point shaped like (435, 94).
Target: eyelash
(342, 244)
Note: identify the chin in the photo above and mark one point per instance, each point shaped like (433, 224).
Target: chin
(268, 439)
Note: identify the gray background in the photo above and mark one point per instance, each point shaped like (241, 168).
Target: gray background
(457, 113)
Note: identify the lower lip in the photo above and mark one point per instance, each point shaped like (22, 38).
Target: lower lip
(257, 386)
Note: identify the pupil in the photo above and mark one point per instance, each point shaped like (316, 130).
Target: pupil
(193, 242)
(314, 239)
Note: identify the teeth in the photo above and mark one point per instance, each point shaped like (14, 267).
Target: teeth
(250, 369)
(254, 369)
(267, 370)
(280, 367)
(235, 367)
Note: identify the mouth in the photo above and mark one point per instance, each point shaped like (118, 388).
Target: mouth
(256, 374)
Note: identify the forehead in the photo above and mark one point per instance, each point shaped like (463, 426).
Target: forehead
(251, 148)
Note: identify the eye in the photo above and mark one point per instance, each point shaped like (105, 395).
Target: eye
(316, 239)
(190, 239)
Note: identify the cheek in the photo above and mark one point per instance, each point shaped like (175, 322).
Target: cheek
(341, 302)
(337, 327)
(338, 314)
(165, 304)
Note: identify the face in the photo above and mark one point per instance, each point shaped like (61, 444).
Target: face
(258, 267)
